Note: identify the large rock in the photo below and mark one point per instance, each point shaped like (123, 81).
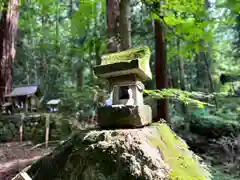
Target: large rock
(150, 153)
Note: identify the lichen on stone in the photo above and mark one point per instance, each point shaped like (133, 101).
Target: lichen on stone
(142, 53)
(184, 164)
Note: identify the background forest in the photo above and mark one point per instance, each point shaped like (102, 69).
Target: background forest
(192, 43)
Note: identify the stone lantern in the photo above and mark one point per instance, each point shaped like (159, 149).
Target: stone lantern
(125, 71)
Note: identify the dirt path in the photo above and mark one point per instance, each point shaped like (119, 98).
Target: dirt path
(15, 156)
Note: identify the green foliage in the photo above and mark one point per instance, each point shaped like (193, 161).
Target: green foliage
(80, 100)
(223, 122)
(219, 175)
(60, 41)
(215, 126)
(85, 16)
(179, 95)
(54, 52)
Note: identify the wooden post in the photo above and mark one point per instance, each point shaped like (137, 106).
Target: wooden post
(26, 104)
(21, 127)
(30, 103)
(22, 176)
(47, 130)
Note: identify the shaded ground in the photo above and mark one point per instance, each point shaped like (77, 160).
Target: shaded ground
(15, 156)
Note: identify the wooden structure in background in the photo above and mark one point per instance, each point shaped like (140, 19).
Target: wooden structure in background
(7, 108)
(47, 125)
(53, 105)
(23, 175)
(21, 127)
(26, 97)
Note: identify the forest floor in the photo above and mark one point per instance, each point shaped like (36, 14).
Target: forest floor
(15, 156)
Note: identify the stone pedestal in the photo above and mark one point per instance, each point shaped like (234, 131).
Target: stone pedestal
(119, 116)
(125, 72)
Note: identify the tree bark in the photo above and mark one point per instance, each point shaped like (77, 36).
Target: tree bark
(174, 78)
(202, 77)
(183, 87)
(125, 25)
(212, 87)
(113, 24)
(57, 29)
(43, 71)
(8, 33)
(80, 77)
(161, 68)
(97, 42)
(181, 68)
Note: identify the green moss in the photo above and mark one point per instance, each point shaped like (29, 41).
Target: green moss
(142, 53)
(183, 164)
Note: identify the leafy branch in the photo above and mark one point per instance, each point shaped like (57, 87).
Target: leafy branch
(178, 95)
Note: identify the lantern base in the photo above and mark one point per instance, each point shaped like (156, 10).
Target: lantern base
(121, 116)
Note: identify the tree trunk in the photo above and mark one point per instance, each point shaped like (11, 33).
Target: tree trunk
(97, 42)
(80, 77)
(202, 77)
(112, 24)
(43, 72)
(203, 64)
(181, 68)
(161, 68)
(125, 24)
(57, 29)
(174, 78)
(183, 87)
(212, 88)
(8, 32)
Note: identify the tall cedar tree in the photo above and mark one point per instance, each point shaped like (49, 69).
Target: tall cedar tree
(119, 25)
(125, 25)
(236, 42)
(160, 66)
(112, 24)
(8, 32)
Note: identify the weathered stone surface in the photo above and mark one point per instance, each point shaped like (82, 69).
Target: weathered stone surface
(121, 69)
(150, 153)
(131, 61)
(137, 88)
(124, 116)
(152, 103)
(125, 72)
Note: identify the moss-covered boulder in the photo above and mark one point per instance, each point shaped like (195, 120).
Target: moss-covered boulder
(150, 153)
